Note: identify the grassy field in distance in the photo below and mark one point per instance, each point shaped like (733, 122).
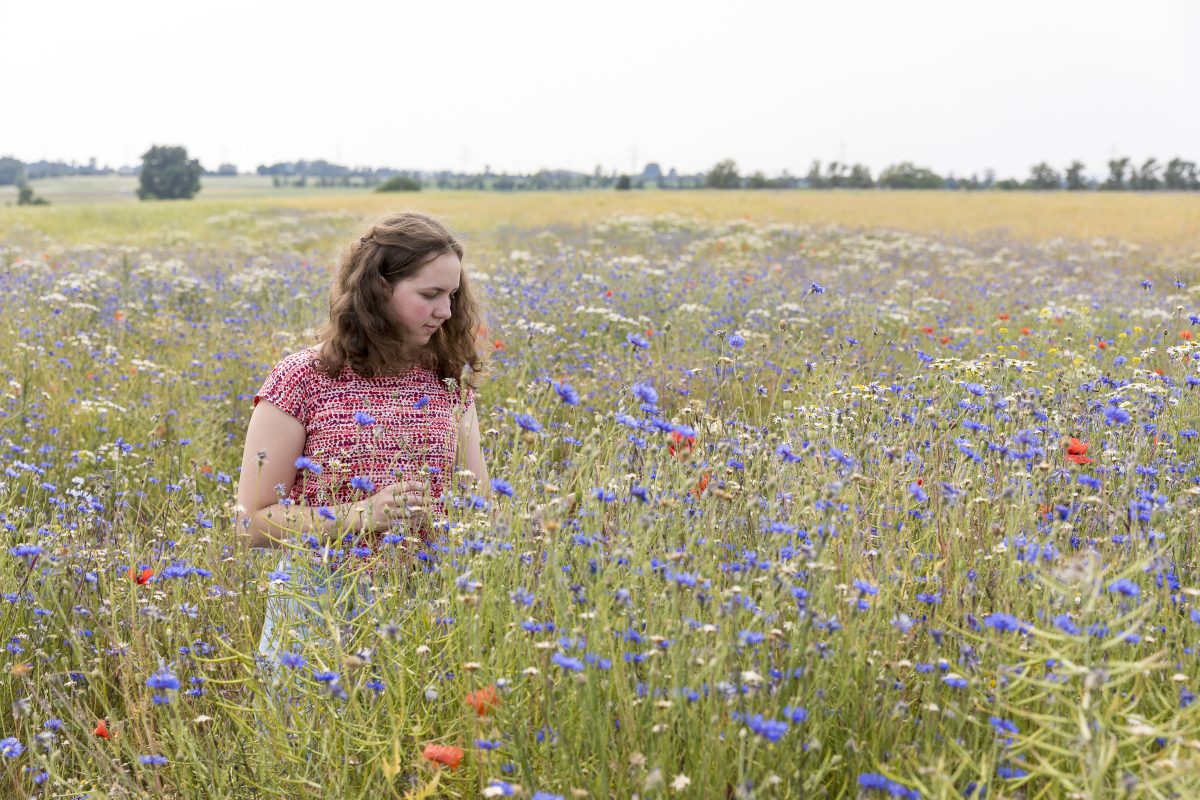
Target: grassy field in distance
(104, 209)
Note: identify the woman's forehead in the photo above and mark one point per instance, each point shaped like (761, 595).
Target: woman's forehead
(445, 271)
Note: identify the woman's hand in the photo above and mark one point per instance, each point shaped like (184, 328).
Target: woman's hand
(402, 500)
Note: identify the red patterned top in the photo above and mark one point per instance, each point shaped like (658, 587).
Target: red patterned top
(413, 436)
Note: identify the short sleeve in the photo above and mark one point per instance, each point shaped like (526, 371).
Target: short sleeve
(289, 386)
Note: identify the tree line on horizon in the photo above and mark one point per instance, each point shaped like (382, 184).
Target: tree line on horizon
(1177, 175)
(166, 172)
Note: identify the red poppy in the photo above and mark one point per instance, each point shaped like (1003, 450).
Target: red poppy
(1003, 315)
(1076, 450)
(927, 329)
(608, 293)
(945, 340)
(1025, 331)
(677, 438)
(1103, 345)
(483, 700)
(141, 578)
(701, 485)
(1186, 334)
(101, 730)
(498, 345)
(443, 754)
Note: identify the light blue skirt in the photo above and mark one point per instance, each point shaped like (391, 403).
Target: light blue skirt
(313, 605)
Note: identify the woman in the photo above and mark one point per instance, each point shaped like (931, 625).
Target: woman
(362, 434)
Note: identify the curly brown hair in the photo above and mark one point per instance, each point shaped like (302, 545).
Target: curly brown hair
(360, 333)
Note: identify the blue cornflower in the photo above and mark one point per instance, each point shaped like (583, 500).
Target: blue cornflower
(304, 462)
(785, 451)
(279, 575)
(325, 677)
(489, 744)
(737, 342)
(501, 486)
(1114, 415)
(528, 423)
(1004, 622)
(605, 495)
(522, 596)
(26, 550)
(637, 340)
(421, 402)
(1145, 283)
(566, 662)
(362, 484)
(872, 780)
(152, 760)
(816, 288)
(10, 747)
(1125, 587)
(163, 679)
(325, 512)
(842, 458)
(546, 796)
(1003, 725)
(770, 729)
(292, 660)
(498, 788)
(955, 681)
(1063, 623)
(796, 714)
(566, 393)
(865, 587)
(751, 637)
(645, 392)
(918, 494)
(364, 419)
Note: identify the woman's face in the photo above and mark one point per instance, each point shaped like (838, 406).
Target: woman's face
(421, 304)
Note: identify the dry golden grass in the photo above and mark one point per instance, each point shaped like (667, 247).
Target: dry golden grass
(1170, 222)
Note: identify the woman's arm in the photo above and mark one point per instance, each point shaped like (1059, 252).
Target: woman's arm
(470, 452)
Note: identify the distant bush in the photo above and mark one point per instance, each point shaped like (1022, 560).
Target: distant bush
(400, 183)
(26, 197)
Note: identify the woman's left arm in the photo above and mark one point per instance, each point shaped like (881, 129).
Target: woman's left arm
(470, 452)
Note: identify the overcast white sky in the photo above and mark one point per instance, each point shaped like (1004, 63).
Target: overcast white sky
(955, 85)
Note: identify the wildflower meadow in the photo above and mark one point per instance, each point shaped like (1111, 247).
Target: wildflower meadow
(775, 510)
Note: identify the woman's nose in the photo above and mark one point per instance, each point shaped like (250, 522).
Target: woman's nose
(442, 309)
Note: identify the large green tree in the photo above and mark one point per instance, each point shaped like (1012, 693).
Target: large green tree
(11, 171)
(1075, 180)
(907, 175)
(168, 174)
(724, 175)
